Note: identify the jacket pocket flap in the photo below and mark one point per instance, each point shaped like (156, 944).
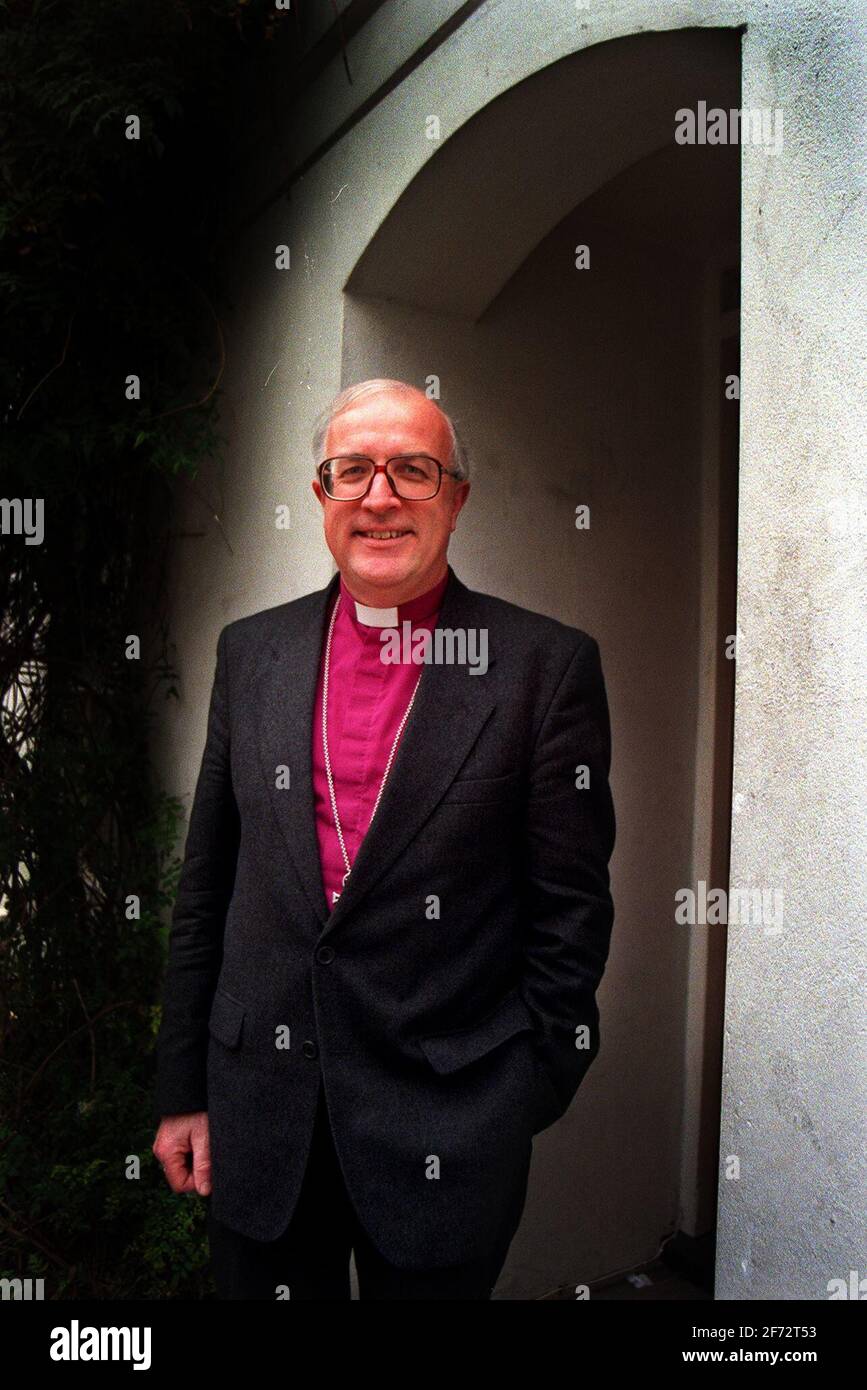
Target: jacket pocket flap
(482, 791)
(227, 1019)
(447, 1052)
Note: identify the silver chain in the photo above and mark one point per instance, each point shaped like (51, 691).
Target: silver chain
(325, 745)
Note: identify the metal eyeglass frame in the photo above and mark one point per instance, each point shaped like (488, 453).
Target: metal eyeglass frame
(383, 468)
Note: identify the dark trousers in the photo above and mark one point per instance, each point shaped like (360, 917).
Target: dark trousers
(311, 1258)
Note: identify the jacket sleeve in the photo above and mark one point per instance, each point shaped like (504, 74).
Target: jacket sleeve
(570, 832)
(196, 940)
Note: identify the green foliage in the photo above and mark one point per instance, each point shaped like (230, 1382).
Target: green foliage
(109, 266)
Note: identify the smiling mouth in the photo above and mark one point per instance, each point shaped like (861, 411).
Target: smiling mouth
(383, 537)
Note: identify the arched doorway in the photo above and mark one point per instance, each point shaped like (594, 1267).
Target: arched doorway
(597, 379)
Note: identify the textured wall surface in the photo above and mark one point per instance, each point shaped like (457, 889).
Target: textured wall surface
(795, 1062)
(794, 1056)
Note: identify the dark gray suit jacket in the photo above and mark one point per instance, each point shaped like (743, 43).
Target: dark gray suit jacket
(438, 1002)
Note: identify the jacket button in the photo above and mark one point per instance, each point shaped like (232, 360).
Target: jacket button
(309, 1048)
(325, 955)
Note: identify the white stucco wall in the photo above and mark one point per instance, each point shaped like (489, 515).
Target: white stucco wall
(795, 1063)
(794, 1057)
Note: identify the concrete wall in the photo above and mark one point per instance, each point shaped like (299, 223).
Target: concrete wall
(793, 1062)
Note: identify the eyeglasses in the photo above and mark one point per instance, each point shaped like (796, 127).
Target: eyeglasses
(414, 477)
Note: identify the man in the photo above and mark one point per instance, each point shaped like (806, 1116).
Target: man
(394, 909)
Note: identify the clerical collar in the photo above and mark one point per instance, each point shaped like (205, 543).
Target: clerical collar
(415, 610)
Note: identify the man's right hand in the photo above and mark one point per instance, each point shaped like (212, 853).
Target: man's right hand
(180, 1139)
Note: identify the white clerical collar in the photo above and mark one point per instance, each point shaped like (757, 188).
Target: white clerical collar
(375, 617)
(415, 610)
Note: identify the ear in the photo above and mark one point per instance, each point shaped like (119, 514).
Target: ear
(462, 492)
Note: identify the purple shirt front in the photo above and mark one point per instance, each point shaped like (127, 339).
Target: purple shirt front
(367, 698)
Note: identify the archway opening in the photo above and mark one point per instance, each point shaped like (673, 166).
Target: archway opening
(567, 274)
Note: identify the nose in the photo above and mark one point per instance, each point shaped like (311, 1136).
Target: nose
(380, 494)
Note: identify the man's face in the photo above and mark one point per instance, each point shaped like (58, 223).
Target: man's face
(383, 573)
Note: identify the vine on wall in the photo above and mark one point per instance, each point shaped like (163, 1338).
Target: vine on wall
(116, 140)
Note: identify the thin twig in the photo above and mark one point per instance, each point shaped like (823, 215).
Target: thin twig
(92, 1036)
(192, 405)
(33, 1240)
(210, 507)
(342, 40)
(122, 1004)
(50, 369)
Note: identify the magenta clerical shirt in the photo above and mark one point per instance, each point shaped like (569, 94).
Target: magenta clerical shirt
(367, 698)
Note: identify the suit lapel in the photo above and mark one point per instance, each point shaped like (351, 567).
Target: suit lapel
(283, 701)
(449, 711)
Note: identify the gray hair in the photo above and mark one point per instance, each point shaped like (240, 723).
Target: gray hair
(458, 461)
